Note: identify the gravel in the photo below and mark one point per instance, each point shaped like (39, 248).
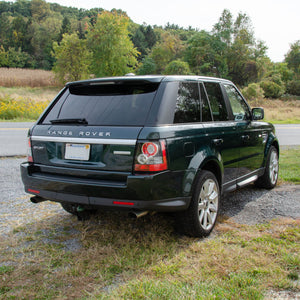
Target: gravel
(16, 209)
(246, 206)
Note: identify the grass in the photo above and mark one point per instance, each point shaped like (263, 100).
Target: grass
(34, 94)
(289, 165)
(14, 77)
(279, 111)
(120, 258)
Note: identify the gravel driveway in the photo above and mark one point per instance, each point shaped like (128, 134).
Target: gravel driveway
(247, 206)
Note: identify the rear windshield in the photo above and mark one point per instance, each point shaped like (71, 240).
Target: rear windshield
(104, 104)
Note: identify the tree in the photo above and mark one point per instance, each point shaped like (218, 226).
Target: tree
(293, 57)
(65, 27)
(5, 30)
(205, 53)
(224, 28)
(40, 9)
(18, 32)
(178, 67)
(144, 39)
(169, 48)
(3, 57)
(113, 51)
(72, 58)
(242, 52)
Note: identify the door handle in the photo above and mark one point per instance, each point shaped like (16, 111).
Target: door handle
(218, 142)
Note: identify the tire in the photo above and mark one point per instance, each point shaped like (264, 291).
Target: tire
(269, 179)
(200, 218)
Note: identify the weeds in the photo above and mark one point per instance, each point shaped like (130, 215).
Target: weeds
(21, 109)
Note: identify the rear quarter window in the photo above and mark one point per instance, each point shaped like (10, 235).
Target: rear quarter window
(187, 108)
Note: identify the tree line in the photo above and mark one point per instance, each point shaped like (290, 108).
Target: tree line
(76, 43)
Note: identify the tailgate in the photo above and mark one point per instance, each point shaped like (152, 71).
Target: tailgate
(85, 147)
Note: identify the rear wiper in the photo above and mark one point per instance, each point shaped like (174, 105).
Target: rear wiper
(69, 121)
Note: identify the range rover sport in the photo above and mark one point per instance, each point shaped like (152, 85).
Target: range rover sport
(150, 143)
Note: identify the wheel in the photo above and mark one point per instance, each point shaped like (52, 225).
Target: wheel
(269, 179)
(200, 218)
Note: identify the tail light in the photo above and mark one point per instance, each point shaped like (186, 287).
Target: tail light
(29, 151)
(151, 157)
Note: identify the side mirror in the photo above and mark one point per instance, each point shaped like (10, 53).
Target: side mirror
(258, 113)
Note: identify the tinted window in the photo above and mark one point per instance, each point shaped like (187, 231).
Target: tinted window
(187, 103)
(126, 104)
(205, 109)
(239, 107)
(216, 100)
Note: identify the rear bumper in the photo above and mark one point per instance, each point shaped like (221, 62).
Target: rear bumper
(158, 192)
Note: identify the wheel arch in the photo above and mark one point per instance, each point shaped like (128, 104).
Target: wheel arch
(272, 141)
(214, 167)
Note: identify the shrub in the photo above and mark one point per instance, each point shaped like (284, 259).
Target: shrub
(253, 92)
(272, 89)
(293, 87)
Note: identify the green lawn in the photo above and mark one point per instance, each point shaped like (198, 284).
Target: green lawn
(289, 165)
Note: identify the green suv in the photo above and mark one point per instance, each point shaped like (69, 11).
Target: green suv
(150, 143)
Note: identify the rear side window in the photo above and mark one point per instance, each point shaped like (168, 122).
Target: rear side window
(187, 108)
(104, 104)
(217, 102)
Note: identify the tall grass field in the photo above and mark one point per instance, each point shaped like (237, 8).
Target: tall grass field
(13, 77)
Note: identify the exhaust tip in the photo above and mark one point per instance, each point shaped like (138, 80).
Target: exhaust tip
(37, 199)
(137, 214)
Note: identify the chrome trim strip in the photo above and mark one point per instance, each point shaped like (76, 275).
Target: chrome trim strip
(74, 140)
(122, 152)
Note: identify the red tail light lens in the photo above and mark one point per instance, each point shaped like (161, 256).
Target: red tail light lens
(29, 151)
(151, 157)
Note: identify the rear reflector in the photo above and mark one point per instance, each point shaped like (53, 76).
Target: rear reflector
(33, 191)
(123, 203)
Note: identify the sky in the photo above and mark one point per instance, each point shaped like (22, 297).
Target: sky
(275, 22)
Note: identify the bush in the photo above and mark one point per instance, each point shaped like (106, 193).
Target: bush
(272, 89)
(293, 87)
(253, 92)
